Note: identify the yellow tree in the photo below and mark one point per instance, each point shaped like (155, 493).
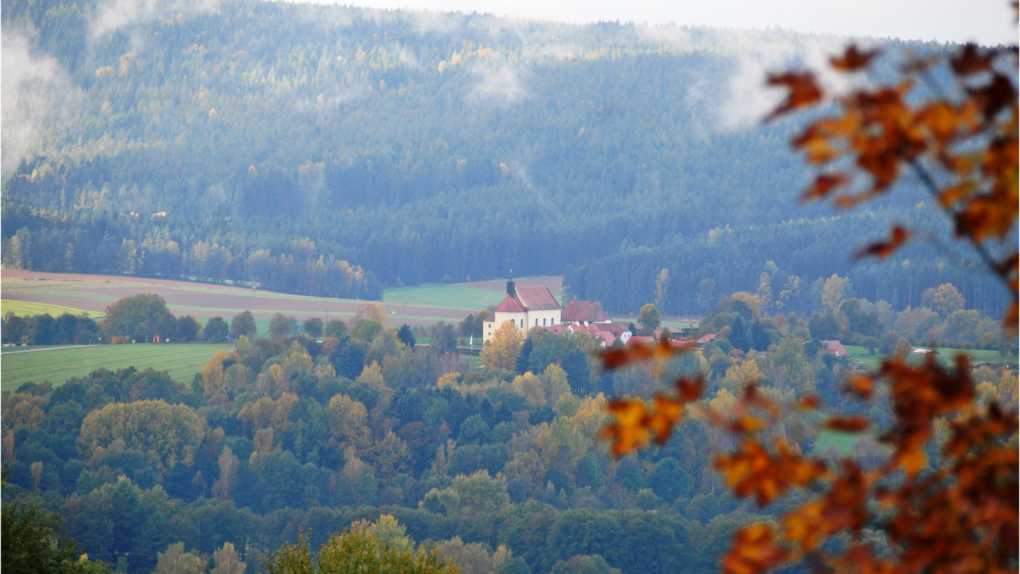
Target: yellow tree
(954, 511)
(500, 353)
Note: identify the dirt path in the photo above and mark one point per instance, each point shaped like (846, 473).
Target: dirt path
(56, 348)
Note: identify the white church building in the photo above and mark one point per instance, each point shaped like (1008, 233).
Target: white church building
(525, 307)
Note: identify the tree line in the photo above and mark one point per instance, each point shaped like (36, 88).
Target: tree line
(286, 442)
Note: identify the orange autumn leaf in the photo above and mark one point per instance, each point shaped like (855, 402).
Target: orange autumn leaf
(809, 403)
(635, 423)
(802, 91)
(819, 151)
(945, 121)
(824, 185)
(953, 194)
(642, 352)
(754, 471)
(628, 432)
(860, 385)
(755, 549)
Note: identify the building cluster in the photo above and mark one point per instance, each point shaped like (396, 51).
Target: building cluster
(535, 306)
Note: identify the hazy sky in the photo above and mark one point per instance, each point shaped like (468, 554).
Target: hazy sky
(984, 21)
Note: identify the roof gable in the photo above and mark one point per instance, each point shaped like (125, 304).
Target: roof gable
(510, 305)
(537, 298)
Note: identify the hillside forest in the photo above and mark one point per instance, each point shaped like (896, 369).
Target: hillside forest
(326, 150)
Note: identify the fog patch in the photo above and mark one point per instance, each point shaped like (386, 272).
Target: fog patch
(749, 99)
(113, 15)
(497, 83)
(425, 22)
(40, 102)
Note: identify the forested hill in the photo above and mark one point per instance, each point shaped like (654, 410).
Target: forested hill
(334, 150)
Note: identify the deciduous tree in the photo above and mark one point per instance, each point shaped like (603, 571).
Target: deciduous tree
(944, 495)
(500, 352)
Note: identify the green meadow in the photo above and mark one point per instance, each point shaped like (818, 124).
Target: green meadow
(59, 364)
(448, 296)
(869, 360)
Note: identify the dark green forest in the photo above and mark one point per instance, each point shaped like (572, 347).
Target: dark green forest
(492, 467)
(335, 151)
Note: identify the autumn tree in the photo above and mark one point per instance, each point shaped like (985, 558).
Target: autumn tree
(348, 422)
(227, 561)
(216, 330)
(944, 299)
(943, 495)
(649, 317)
(139, 317)
(166, 433)
(500, 352)
(282, 325)
(243, 325)
(175, 560)
(382, 546)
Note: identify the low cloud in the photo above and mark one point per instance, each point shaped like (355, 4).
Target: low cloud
(426, 22)
(496, 83)
(40, 102)
(113, 15)
(748, 99)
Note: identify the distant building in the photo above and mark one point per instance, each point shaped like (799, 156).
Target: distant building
(528, 307)
(524, 307)
(834, 348)
(584, 312)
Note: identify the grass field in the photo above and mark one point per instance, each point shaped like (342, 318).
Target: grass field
(452, 296)
(60, 364)
(977, 356)
(674, 324)
(25, 308)
(35, 291)
(421, 305)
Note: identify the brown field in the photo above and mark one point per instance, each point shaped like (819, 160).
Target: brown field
(95, 292)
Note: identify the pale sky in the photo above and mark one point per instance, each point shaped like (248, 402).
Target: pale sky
(983, 21)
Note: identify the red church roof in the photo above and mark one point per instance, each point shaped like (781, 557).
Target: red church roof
(584, 311)
(537, 298)
(510, 305)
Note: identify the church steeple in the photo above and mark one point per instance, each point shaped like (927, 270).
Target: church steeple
(511, 287)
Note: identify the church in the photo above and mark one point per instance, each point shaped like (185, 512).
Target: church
(525, 307)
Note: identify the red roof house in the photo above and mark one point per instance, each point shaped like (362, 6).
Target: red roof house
(584, 312)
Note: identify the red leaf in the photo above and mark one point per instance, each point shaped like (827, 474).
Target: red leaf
(883, 249)
(853, 59)
(802, 91)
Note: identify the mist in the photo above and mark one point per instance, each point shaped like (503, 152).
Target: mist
(39, 99)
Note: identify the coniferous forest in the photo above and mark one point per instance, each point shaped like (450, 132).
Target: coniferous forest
(335, 151)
